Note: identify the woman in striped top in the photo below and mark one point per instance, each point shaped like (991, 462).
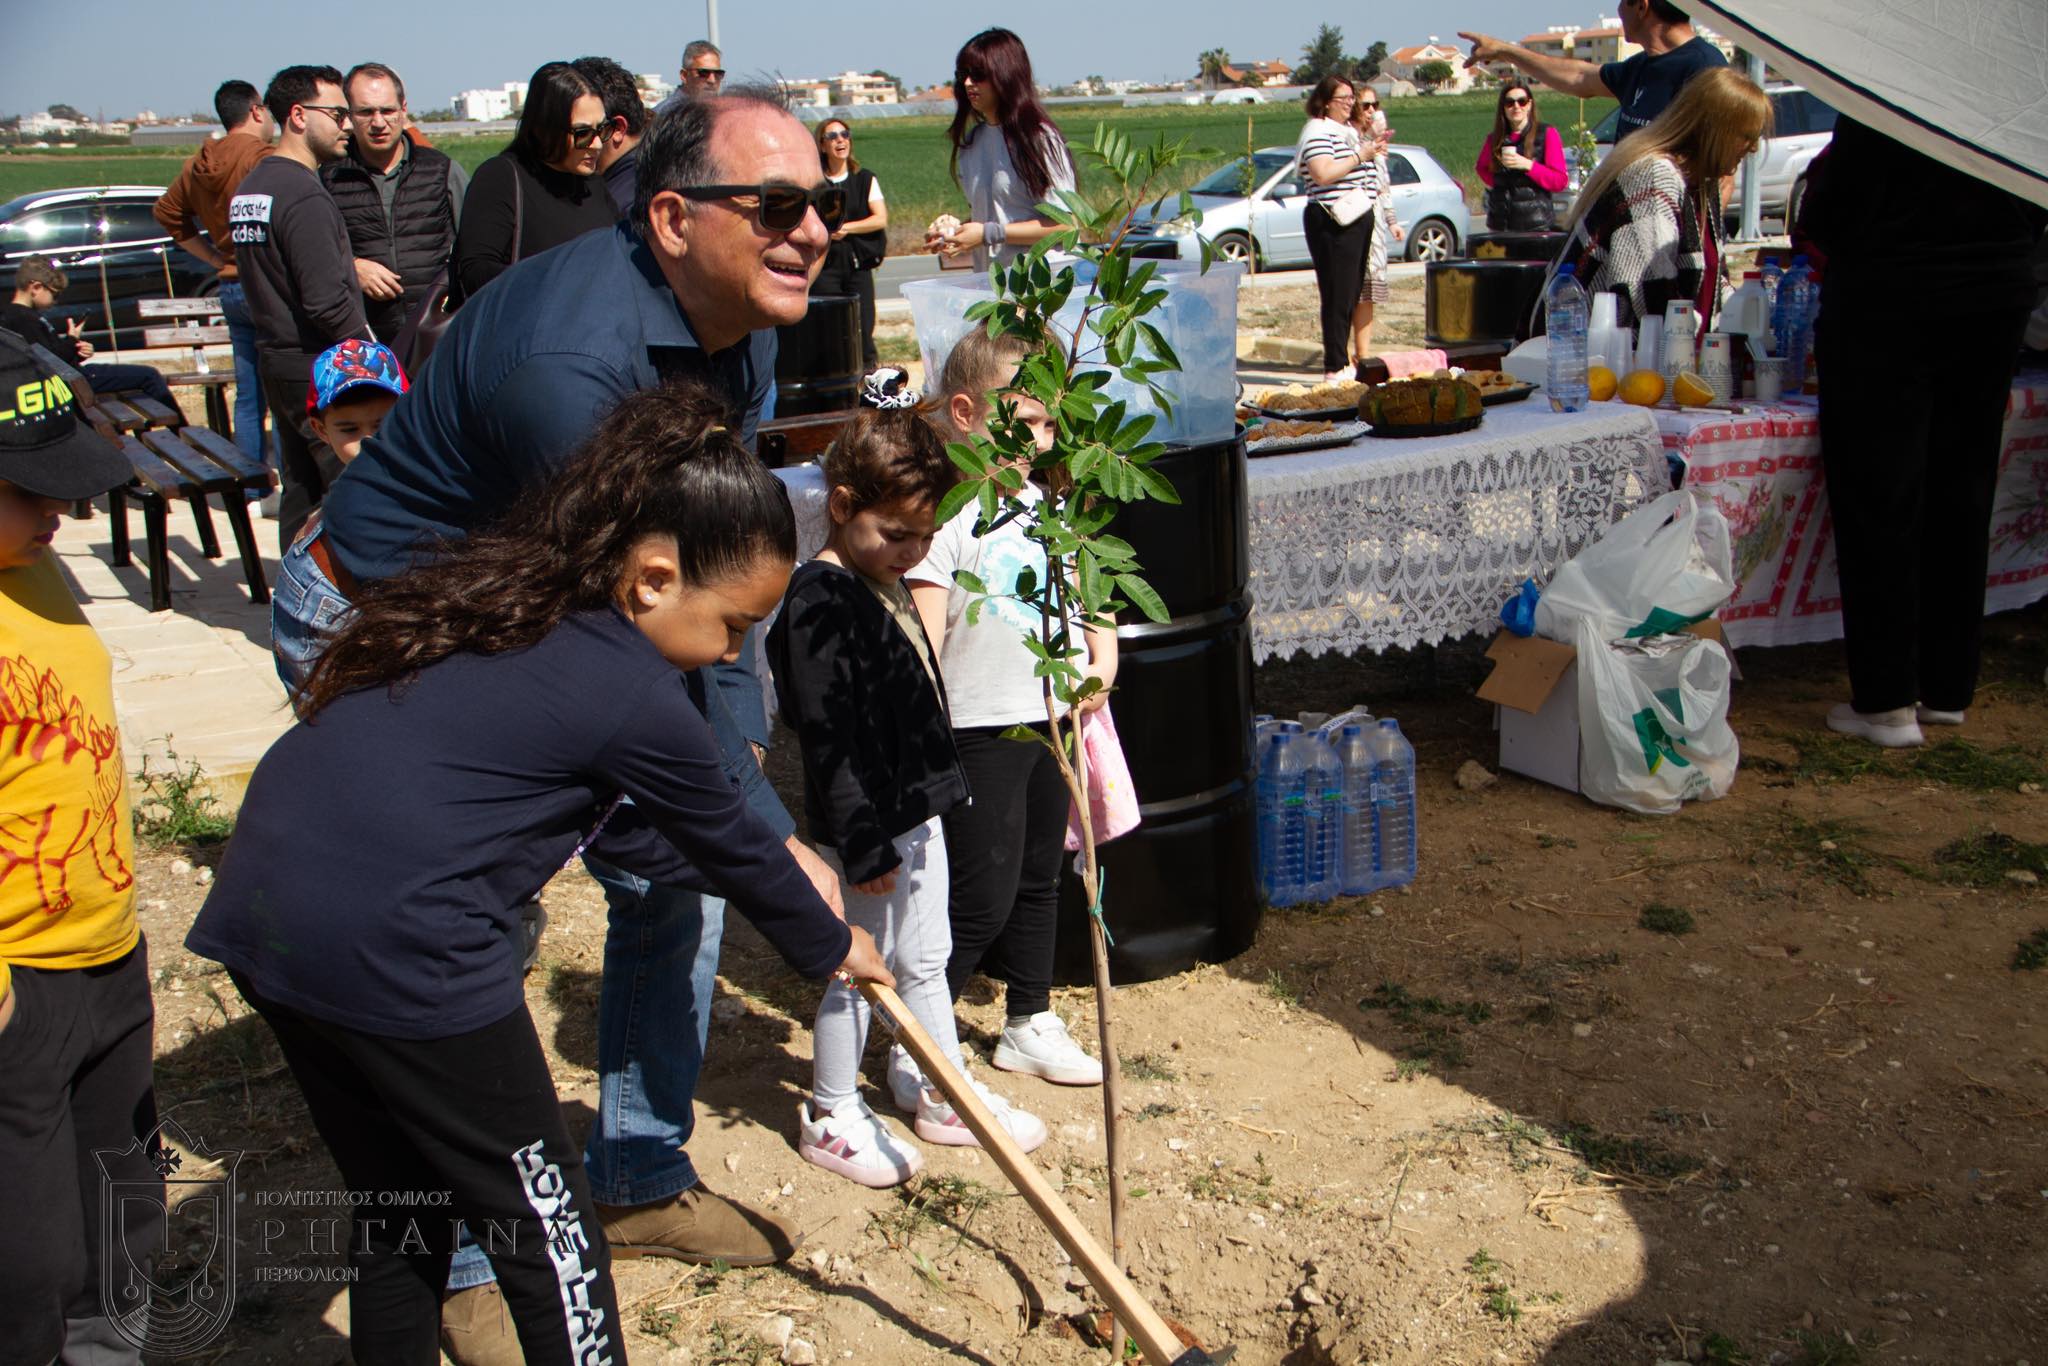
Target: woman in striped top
(1336, 162)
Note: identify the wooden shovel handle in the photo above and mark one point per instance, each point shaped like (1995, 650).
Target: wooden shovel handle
(1154, 1338)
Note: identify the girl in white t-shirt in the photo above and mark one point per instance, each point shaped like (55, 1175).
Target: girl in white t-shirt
(1005, 845)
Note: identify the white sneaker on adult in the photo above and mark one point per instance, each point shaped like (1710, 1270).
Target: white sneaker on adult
(1894, 729)
(938, 1122)
(852, 1142)
(1040, 1046)
(1928, 716)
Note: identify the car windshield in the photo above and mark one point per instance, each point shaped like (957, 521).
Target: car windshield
(1230, 180)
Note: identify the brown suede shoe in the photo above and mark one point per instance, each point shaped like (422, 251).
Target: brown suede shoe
(477, 1329)
(698, 1226)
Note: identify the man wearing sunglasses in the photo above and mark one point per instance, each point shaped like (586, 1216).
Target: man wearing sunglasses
(299, 272)
(724, 240)
(402, 203)
(703, 70)
(618, 154)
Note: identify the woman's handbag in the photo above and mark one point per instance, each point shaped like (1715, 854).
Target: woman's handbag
(422, 331)
(1352, 205)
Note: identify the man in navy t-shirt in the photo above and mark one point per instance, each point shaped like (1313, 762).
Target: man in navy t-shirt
(1644, 84)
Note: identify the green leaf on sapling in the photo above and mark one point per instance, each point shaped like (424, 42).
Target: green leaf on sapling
(1142, 597)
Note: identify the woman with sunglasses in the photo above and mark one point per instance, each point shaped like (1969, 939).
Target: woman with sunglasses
(1521, 165)
(859, 230)
(1344, 191)
(1008, 154)
(1371, 126)
(542, 190)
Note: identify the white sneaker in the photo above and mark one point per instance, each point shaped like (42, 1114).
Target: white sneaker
(1041, 1047)
(1894, 729)
(1928, 716)
(938, 1122)
(906, 1081)
(266, 506)
(852, 1142)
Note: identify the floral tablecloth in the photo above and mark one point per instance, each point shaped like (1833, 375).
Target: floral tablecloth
(1763, 470)
(1382, 543)
(1396, 543)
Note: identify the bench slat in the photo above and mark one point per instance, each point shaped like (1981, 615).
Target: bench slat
(120, 414)
(227, 454)
(193, 464)
(157, 413)
(177, 308)
(213, 335)
(160, 477)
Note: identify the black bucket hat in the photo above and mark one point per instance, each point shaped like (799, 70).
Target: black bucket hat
(44, 448)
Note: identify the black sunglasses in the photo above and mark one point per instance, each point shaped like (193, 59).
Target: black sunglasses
(706, 73)
(1513, 102)
(778, 208)
(584, 134)
(839, 135)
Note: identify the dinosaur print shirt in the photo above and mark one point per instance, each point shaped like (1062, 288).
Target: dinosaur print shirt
(67, 849)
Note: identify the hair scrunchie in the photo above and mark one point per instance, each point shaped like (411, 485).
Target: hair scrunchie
(888, 387)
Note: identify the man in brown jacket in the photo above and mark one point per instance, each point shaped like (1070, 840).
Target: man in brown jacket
(198, 199)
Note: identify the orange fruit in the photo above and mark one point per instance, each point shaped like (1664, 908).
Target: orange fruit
(1601, 383)
(1691, 391)
(1642, 388)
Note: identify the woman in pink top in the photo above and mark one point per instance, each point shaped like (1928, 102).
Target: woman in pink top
(1522, 165)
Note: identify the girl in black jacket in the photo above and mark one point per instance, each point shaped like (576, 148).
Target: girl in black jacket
(859, 681)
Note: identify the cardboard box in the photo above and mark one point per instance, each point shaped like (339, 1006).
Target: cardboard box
(1534, 687)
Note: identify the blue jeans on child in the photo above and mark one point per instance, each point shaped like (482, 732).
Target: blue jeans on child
(234, 311)
(660, 973)
(306, 609)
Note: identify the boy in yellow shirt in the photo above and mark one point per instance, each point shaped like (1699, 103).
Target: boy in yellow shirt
(75, 1014)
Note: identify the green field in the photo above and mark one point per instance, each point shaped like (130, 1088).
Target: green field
(909, 156)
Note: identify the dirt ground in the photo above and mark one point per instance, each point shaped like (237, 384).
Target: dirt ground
(1494, 1118)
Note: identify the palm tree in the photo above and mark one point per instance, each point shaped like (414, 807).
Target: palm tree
(1213, 62)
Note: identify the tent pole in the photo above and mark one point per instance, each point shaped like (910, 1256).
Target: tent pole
(1752, 171)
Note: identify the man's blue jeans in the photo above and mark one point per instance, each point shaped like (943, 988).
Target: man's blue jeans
(234, 311)
(653, 1015)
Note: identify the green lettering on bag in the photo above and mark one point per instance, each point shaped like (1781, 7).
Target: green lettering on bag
(1663, 623)
(1656, 741)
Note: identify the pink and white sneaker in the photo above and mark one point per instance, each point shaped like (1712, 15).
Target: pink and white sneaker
(853, 1142)
(938, 1122)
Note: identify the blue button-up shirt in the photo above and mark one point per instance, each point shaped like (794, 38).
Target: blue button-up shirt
(522, 376)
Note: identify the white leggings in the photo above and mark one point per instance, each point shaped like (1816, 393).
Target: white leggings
(915, 939)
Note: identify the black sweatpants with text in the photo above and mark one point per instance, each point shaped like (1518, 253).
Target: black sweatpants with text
(1003, 854)
(431, 1131)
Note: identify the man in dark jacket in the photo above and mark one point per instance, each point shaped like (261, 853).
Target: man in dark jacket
(402, 203)
(299, 273)
(618, 152)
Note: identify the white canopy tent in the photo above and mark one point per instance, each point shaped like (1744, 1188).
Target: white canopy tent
(1964, 81)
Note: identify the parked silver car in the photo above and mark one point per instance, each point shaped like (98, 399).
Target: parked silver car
(1428, 202)
(1802, 124)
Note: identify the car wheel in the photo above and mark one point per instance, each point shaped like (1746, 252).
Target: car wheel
(1234, 246)
(1794, 203)
(1431, 240)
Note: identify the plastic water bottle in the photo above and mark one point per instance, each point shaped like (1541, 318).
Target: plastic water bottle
(1773, 274)
(1566, 315)
(1393, 801)
(1792, 321)
(1322, 870)
(1332, 729)
(1283, 796)
(1361, 858)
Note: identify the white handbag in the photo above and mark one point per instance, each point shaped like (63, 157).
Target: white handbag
(1349, 207)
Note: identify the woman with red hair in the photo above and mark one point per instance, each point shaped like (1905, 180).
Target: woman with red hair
(1008, 155)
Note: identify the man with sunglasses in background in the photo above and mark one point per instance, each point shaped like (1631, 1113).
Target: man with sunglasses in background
(703, 70)
(724, 239)
(402, 203)
(618, 154)
(299, 271)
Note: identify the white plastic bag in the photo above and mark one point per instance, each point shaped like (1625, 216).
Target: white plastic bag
(1653, 721)
(1659, 569)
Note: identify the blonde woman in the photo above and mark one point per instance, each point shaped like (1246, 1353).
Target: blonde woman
(1647, 226)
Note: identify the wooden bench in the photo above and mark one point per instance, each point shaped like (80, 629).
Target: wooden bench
(171, 462)
(198, 324)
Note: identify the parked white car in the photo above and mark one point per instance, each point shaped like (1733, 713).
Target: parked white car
(1429, 203)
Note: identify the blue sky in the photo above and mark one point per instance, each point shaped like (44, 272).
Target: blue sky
(169, 58)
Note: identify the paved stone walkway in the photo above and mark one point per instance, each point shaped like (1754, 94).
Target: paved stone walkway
(197, 679)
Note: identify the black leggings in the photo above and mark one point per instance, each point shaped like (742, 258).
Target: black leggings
(1003, 849)
(840, 277)
(1339, 254)
(434, 1131)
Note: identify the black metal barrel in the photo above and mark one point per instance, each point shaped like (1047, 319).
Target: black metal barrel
(818, 358)
(1183, 887)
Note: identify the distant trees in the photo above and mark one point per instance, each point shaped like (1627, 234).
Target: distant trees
(1212, 63)
(1375, 57)
(1430, 75)
(65, 111)
(1322, 57)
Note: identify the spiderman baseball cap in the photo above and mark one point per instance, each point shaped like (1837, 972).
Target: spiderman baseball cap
(44, 449)
(351, 365)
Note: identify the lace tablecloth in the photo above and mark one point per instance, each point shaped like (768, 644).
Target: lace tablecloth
(1397, 543)
(1763, 470)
